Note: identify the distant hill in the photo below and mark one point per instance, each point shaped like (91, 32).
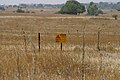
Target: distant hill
(42, 5)
(104, 5)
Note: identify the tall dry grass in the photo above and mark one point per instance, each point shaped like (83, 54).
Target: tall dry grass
(21, 60)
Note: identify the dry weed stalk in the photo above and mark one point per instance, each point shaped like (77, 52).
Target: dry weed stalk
(34, 57)
(25, 41)
(83, 55)
(18, 62)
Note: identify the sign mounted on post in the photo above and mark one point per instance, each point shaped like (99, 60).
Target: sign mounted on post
(61, 38)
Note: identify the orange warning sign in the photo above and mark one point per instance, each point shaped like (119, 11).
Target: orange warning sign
(61, 38)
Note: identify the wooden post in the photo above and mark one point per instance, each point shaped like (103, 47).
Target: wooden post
(18, 65)
(77, 37)
(98, 43)
(61, 46)
(39, 41)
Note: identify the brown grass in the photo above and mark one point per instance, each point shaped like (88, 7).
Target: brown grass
(50, 62)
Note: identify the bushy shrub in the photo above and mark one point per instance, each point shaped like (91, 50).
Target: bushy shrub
(100, 11)
(115, 16)
(20, 11)
(118, 9)
(2, 8)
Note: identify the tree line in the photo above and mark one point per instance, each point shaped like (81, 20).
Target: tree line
(101, 5)
(74, 7)
(104, 5)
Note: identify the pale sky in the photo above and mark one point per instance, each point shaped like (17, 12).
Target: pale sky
(50, 1)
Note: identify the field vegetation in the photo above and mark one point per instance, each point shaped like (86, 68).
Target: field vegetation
(21, 60)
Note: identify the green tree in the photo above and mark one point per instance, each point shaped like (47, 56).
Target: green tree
(92, 9)
(72, 7)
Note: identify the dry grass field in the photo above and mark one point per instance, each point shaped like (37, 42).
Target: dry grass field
(21, 60)
(32, 10)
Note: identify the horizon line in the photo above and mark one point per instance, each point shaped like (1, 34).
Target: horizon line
(53, 3)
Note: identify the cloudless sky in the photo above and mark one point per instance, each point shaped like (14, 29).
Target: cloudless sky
(50, 1)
